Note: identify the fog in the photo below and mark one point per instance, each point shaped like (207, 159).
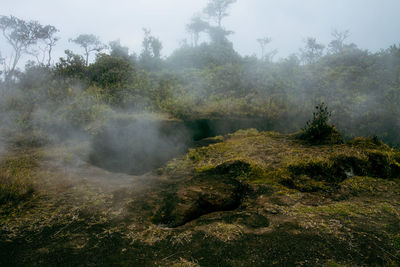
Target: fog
(223, 78)
(372, 24)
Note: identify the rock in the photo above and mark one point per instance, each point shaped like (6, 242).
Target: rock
(198, 196)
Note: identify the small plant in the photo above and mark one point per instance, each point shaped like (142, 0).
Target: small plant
(318, 130)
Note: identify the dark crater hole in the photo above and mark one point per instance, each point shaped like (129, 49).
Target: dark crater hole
(137, 146)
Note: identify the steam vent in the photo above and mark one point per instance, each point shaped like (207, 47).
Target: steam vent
(138, 146)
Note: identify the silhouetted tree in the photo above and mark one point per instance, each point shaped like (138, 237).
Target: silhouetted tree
(263, 43)
(337, 44)
(151, 53)
(218, 9)
(219, 35)
(312, 51)
(48, 38)
(90, 43)
(117, 50)
(21, 35)
(195, 27)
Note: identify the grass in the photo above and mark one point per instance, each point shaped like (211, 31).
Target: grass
(282, 159)
(81, 221)
(17, 176)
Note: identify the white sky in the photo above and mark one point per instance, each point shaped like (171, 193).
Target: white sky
(373, 24)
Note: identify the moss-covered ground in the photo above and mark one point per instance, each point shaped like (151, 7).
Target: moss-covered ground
(248, 199)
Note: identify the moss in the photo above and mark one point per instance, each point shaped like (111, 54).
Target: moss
(333, 228)
(396, 241)
(236, 168)
(304, 183)
(358, 185)
(367, 143)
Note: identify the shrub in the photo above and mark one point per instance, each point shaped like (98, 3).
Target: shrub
(318, 130)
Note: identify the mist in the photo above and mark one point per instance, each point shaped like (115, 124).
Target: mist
(138, 133)
(372, 24)
(170, 77)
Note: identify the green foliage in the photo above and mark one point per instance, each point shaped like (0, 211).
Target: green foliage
(396, 241)
(113, 75)
(72, 67)
(318, 131)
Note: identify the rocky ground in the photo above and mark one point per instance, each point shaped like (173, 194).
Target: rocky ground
(246, 199)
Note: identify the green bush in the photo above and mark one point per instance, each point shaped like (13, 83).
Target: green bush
(318, 130)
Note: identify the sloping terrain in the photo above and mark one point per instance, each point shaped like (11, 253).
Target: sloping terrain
(247, 199)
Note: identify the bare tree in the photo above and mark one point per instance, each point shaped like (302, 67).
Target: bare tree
(90, 43)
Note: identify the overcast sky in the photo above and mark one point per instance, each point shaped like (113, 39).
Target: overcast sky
(373, 24)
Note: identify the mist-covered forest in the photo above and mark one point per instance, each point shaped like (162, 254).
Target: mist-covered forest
(204, 77)
(202, 156)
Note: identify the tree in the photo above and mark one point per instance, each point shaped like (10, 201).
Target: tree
(109, 71)
(90, 43)
(312, 51)
(318, 130)
(72, 67)
(150, 57)
(151, 45)
(48, 38)
(219, 35)
(337, 44)
(195, 27)
(218, 9)
(263, 43)
(117, 50)
(21, 35)
(2, 60)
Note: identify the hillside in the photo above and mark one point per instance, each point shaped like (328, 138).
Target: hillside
(244, 199)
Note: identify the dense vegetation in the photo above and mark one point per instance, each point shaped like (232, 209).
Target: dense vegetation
(208, 79)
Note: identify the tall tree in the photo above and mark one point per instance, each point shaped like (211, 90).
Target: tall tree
(118, 50)
(44, 49)
(2, 60)
(218, 9)
(150, 58)
(90, 43)
(21, 35)
(337, 44)
(151, 45)
(263, 43)
(195, 27)
(312, 51)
